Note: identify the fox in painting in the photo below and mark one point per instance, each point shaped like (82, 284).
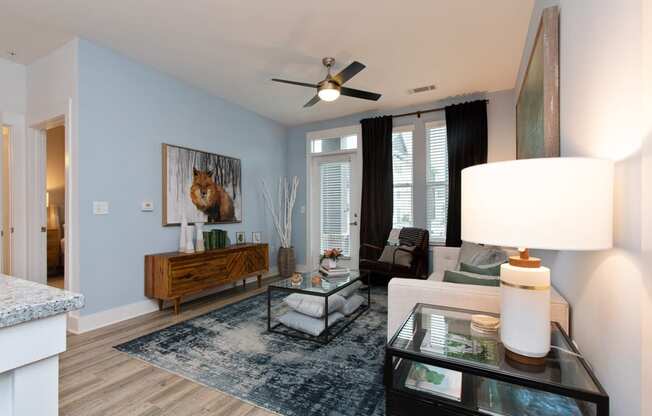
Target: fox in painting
(211, 198)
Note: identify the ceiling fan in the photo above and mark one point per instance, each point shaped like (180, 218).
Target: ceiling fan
(330, 88)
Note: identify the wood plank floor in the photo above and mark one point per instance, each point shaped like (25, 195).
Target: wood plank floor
(95, 379)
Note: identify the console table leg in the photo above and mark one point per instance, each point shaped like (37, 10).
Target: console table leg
(260, 278)
(244, 283)
(160, 304)
(177, 306)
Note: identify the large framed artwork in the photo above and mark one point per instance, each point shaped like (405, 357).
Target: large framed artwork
(537, 108)
(205, 187)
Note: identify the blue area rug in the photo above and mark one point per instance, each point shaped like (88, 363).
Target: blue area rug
(229, 349)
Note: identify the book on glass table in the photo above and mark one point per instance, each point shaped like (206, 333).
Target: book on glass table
(435, 380)
(334, 272)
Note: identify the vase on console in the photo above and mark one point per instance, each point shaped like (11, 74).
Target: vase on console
(199, 242)
(183, 234)
(286, 261)
(281, 212)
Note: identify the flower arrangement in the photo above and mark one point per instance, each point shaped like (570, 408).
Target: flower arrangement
(331, 254)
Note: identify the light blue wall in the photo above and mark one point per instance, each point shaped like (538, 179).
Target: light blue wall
(502, 139)
(126, 111)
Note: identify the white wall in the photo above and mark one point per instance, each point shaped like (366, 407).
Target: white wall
(52, 92)
(646, 191)
(501, 126)
(12, 87)
(51, 81)
(601, 100)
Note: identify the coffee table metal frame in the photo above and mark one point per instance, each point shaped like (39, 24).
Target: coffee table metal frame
(325, 337)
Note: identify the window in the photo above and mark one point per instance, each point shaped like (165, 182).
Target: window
(335, 144)
(436, 181)
(335, 204)
(402, 168)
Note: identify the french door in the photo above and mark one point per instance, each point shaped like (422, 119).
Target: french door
(336, 183)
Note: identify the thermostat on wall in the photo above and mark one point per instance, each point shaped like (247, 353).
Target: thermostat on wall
(147, 206)
(100, 207)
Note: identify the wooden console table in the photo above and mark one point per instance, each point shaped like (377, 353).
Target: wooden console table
(169, 276)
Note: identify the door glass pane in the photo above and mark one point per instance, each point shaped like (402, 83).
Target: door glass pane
(335, 205)
(335, 144)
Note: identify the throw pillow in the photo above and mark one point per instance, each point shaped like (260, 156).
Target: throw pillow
(466, 278)
(352, 304)
(489, 255)
(310, 325)
(478, 254)
(402, 258)
(314, 305)
(467, 252)
(487, 270)
(350, 289)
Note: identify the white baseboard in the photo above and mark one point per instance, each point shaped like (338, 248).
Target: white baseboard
(78, 324)
(85, 323)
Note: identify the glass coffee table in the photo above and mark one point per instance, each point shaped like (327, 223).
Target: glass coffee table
(324, 288)
(437, 363)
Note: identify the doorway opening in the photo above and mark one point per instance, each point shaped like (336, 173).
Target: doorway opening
(55, 197)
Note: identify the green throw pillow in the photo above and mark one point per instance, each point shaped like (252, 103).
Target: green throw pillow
(487, 270)
(466, 278)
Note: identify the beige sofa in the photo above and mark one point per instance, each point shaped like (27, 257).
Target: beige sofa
(405, 293)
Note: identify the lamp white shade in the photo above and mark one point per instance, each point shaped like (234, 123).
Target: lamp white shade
(548, 203)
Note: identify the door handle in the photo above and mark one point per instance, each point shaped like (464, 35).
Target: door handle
(353, 223)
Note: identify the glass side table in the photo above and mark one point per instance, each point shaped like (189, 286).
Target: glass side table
(437, 363)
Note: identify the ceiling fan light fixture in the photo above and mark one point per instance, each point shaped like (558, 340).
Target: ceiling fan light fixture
(329, 91)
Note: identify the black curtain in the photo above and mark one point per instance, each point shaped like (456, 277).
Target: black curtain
(377, 207)
(466, 129)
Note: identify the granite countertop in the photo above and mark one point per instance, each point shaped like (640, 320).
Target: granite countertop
(23, 301)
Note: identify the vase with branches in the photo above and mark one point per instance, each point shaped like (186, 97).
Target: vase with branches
(281, 210)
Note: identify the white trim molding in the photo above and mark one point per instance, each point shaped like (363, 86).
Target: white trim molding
(312, 264)
(18, 178)
(79, 324)
(84, 323)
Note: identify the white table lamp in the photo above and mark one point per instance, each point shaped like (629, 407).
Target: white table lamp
(549, 203)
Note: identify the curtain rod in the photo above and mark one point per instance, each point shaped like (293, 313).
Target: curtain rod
(418, 113)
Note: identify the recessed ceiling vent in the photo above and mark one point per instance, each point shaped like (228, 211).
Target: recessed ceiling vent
(422, 89)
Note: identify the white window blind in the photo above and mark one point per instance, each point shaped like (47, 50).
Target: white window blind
(335, 201)
(402, 160)
(436, 181)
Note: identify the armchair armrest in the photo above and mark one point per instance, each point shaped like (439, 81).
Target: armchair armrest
(372, 246)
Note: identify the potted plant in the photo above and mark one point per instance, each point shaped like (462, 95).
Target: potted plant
(330, 257)
(282, 219)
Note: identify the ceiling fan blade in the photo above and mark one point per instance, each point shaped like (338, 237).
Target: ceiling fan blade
(365, 95)
(302, 84)
(314, 100)
(349, 72)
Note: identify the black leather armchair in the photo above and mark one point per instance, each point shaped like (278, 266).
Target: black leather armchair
(415, 238)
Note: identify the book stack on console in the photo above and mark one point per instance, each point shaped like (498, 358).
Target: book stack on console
(338, 271)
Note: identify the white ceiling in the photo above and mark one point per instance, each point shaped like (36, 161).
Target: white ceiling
(233, 47)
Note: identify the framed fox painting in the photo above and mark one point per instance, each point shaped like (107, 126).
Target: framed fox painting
(203, 187)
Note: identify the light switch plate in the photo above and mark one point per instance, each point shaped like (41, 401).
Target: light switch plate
(100, 207)
(147, 206)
